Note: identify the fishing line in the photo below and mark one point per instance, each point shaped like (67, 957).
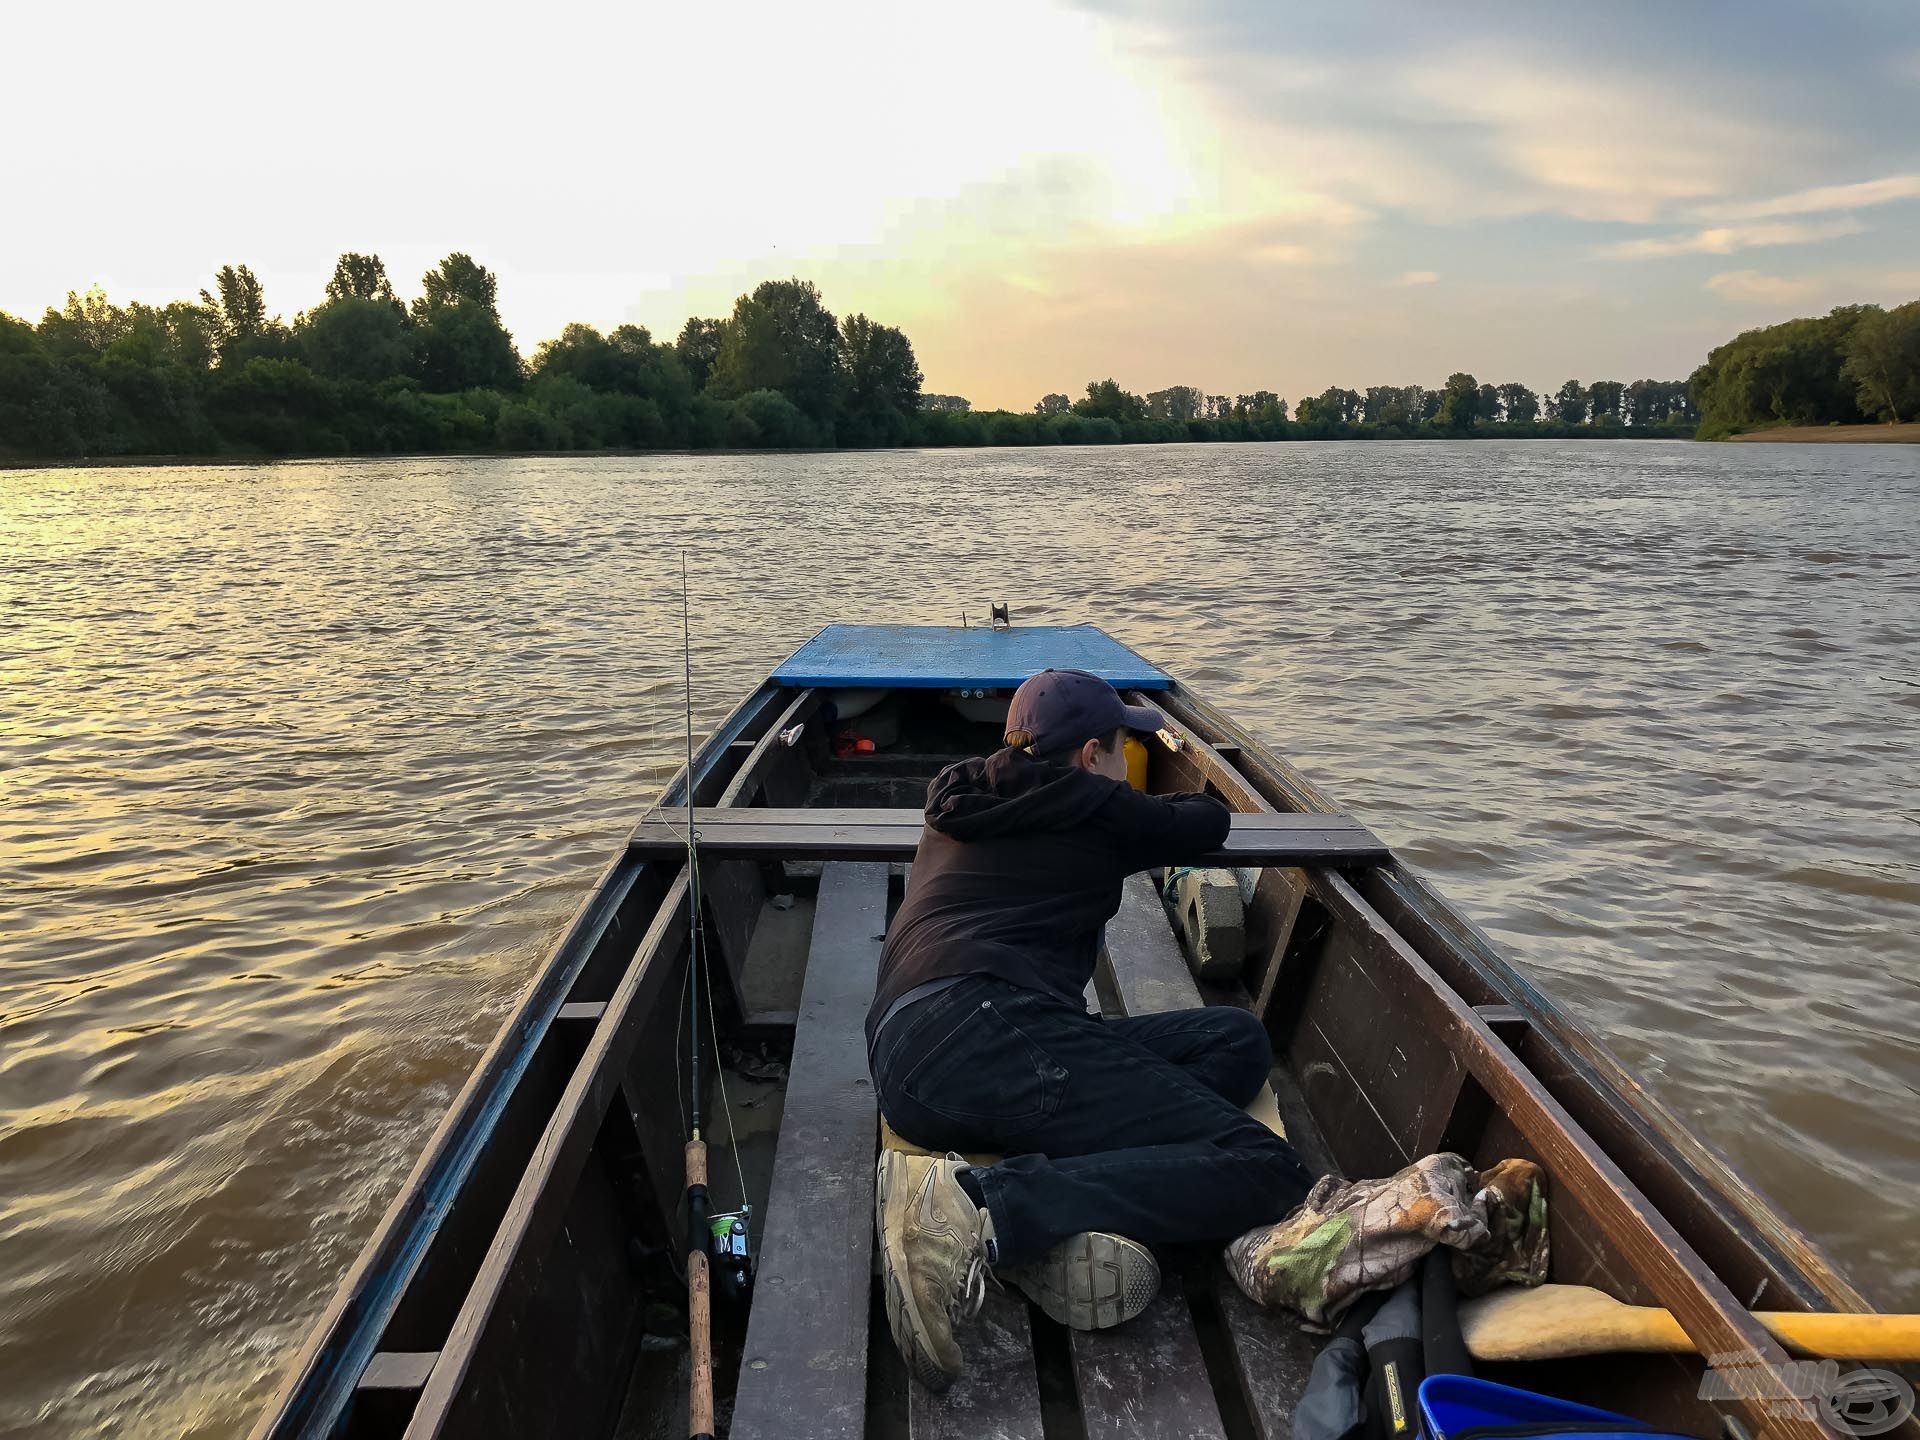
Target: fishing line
(698, 952)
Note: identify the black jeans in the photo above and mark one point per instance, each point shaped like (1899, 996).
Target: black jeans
(1131, 1126)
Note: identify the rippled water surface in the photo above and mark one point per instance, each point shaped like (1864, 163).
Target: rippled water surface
(303, 766)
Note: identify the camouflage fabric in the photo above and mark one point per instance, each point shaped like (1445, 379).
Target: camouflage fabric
(1350, 1237)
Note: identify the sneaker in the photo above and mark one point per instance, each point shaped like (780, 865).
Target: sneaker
(933, 1260)
(1091, 1280)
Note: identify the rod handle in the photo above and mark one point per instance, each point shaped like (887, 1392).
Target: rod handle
(700, 1337)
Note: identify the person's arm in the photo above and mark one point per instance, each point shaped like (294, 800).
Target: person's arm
(1152, 830)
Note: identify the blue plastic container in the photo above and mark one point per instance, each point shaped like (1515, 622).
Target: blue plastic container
(1452, 1405)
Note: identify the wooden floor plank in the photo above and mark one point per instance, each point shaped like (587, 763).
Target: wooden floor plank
(803, 1374)
(998, 1398)
(1146, 1379)
(1272, 1358)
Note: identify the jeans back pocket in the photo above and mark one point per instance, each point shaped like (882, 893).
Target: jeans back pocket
(984, 1070)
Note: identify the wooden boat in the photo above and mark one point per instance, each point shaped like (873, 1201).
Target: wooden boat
(524, 1282)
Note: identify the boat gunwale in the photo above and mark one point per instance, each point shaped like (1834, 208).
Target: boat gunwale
(1630, 1222)
(1708, 1175)
(318, 1385)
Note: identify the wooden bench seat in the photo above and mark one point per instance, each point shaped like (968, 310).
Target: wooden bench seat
(1257, 838)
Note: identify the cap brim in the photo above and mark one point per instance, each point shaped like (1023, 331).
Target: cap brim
(1142, 717)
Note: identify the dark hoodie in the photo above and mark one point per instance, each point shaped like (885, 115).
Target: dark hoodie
(1019, 869)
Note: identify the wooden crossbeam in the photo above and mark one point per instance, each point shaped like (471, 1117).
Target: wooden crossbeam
(1256, 839)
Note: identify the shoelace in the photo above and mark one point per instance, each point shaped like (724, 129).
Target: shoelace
(973, 1289)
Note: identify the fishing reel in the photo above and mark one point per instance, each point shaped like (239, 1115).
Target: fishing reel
(730, 1251)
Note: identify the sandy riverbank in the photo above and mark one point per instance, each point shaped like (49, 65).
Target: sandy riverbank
(1907, 434)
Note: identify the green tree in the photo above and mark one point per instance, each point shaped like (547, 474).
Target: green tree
(361, 277)
(625, 362)
(1882, 360)
(1654, 402)
(190, 334)
(1604, 397)
(1570, 403)
(1789, 373)
(1519, 404)
(1333, 406)
(47, 407)
(656, 393)
(951, 404)
(1052, 404)
(1390, 405)
(1459, 402)
(767, 417)
(523, 426)
(458, 280)
(882, 382)
(356, 338)
(698, 347)
(1106, 400)
(781, 338)
(1179, 403)
(1489, 409)
(464, 347)
(278, 406)
(239, 310)
(87, 325)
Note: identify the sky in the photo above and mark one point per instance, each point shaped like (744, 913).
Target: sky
(1235, 195)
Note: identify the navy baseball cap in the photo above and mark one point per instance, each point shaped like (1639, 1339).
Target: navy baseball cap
(1060, 710)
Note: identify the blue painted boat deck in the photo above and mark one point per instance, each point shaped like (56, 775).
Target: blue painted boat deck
(942, 656)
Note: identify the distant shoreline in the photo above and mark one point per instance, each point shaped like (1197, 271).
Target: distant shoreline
(99, 462)
(1907, 433)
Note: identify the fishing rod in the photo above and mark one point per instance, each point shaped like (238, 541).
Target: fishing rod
(713, 1241)
(699, 1222)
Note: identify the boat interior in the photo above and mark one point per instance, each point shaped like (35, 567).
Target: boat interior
(546, 1298)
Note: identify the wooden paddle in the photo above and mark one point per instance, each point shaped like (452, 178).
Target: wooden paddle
(1549, 1321)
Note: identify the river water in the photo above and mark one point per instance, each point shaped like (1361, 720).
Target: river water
(303, 766)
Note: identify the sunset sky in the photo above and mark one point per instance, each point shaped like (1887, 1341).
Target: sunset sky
(1232, 195)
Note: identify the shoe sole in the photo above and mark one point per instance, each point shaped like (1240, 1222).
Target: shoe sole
(1091, 1281)
(903, 1316)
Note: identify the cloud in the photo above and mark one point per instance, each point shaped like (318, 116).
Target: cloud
(1284, 255)
(1417, 277)
(1595, 146)
(1819, 200)
(1751, 287)
(1725, 239)
(1499, 128)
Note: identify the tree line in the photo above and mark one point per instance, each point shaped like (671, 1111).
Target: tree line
(1462, 406)
(366, 372)
(1856, 364)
